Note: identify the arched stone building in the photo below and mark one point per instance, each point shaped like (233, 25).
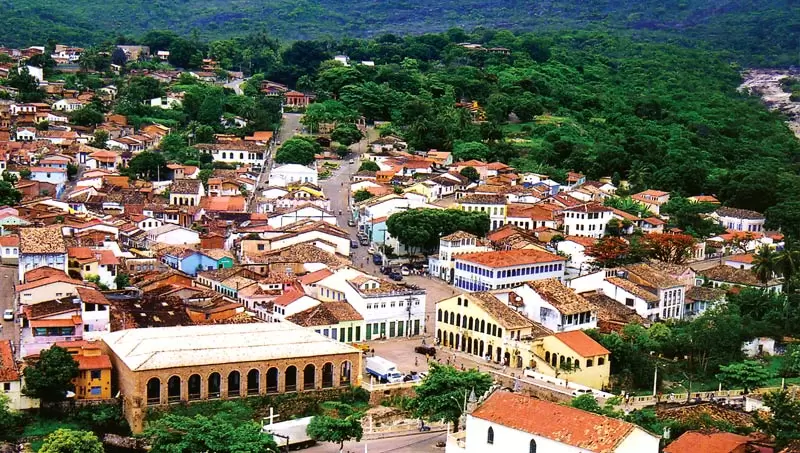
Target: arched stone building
(161, 366)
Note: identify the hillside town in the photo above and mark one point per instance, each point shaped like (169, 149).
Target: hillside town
(171, 239)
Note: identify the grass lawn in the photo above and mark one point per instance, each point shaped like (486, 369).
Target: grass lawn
(40, 427)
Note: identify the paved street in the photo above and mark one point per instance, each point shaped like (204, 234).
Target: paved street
(8, 275)
(290, 124)
(416, 443)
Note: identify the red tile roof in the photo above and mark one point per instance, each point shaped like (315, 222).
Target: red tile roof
(8, 367)
(288, 297)
(98, 362)
(9, 241)
(581, 343)
(567, 425)
(92, 296)
(694, 441)
(315, 276)
(508, 258)
(67, 322)
(745, 259)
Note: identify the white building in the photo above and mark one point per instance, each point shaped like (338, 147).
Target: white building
(487, 271)
(653, 294)
(587, 220)
(443, 264)
(575, 248)
(740, 219)
(236, 152)
(511, 422)
(11, 380)
(171, 234)
(552, 305)
(94, 312)
(165, 102)
(493, 205)
(389, 310)
(289, 174)
(67, 105)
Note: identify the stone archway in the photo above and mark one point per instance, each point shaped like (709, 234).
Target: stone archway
(154, 391)
(195, 385)
(272, 380)
(214, 381)
(309, 376)
(291, 379)
(234, 384)
(174, 389)
(253, 381)
(327, 375)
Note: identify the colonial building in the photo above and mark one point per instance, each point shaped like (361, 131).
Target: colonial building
(511, 422)
(588, 220)
(443, 265)
(40, 247)
(505, 269)
(740, 219)
(171, 365)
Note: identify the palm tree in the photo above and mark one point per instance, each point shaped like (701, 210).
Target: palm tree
(788, 260)
(765, 264)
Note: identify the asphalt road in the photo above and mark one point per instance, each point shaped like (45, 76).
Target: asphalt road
(417, 443)
(8, 275)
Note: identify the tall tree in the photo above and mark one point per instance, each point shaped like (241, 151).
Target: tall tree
(444, 392)
(297, 150)
(346, 134)
(51, 376)
(783, 421)
(338, 424)
(765, 264)
(9, 196)
(670, 248)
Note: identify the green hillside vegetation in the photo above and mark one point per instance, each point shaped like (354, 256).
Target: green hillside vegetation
(660, 115)
(755, 31)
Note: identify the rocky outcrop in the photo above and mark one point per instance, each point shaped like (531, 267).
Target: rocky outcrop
(766, 83)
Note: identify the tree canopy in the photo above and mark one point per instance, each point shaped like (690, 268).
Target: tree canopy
(421, 229)
(339, 423)
(71, 441)
(51, 376)
(444, 391)
(297, 150)
(229, 430)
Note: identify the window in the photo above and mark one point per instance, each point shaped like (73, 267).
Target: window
(588, 363)
(490, 436)
(6, 386)
(260, 247)
(532, 447)
(95, 391)
(95, 374)
(601, 361)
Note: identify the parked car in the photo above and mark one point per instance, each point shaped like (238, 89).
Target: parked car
(351, 222)
(8, 315)
(396, 276)
(364, 241)
(352, 161)
(386, 270)
(377, 259)
(353, 244)
(427, 350)
(404, 270)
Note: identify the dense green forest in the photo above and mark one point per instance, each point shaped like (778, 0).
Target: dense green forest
(755, 32)
(660, 115)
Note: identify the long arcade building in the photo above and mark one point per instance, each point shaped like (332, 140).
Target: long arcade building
(168, 365)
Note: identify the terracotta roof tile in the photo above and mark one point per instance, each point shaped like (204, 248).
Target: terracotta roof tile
(739, 213)
(564, 299)
(42, 240)
(633, 288)
(508, 258)
(584, 430)
(8, 367)
(729, 274)
(505, 315)
(325, 314)
(583, 344)
(92, 296)
(99, 362)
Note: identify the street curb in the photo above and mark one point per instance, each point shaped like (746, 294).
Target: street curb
(408, 433)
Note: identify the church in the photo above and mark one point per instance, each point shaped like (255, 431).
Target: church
(156, 367)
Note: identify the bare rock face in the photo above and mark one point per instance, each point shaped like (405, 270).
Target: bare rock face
(766, 83)
(124, 442)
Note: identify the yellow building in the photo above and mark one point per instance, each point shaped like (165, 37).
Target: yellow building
(577, 356)
(482, 325)
(425, 189)
(94, 370)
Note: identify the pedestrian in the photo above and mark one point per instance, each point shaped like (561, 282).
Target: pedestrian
(416, 361)
(462, 367)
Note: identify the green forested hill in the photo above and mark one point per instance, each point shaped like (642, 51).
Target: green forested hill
(757, 31)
